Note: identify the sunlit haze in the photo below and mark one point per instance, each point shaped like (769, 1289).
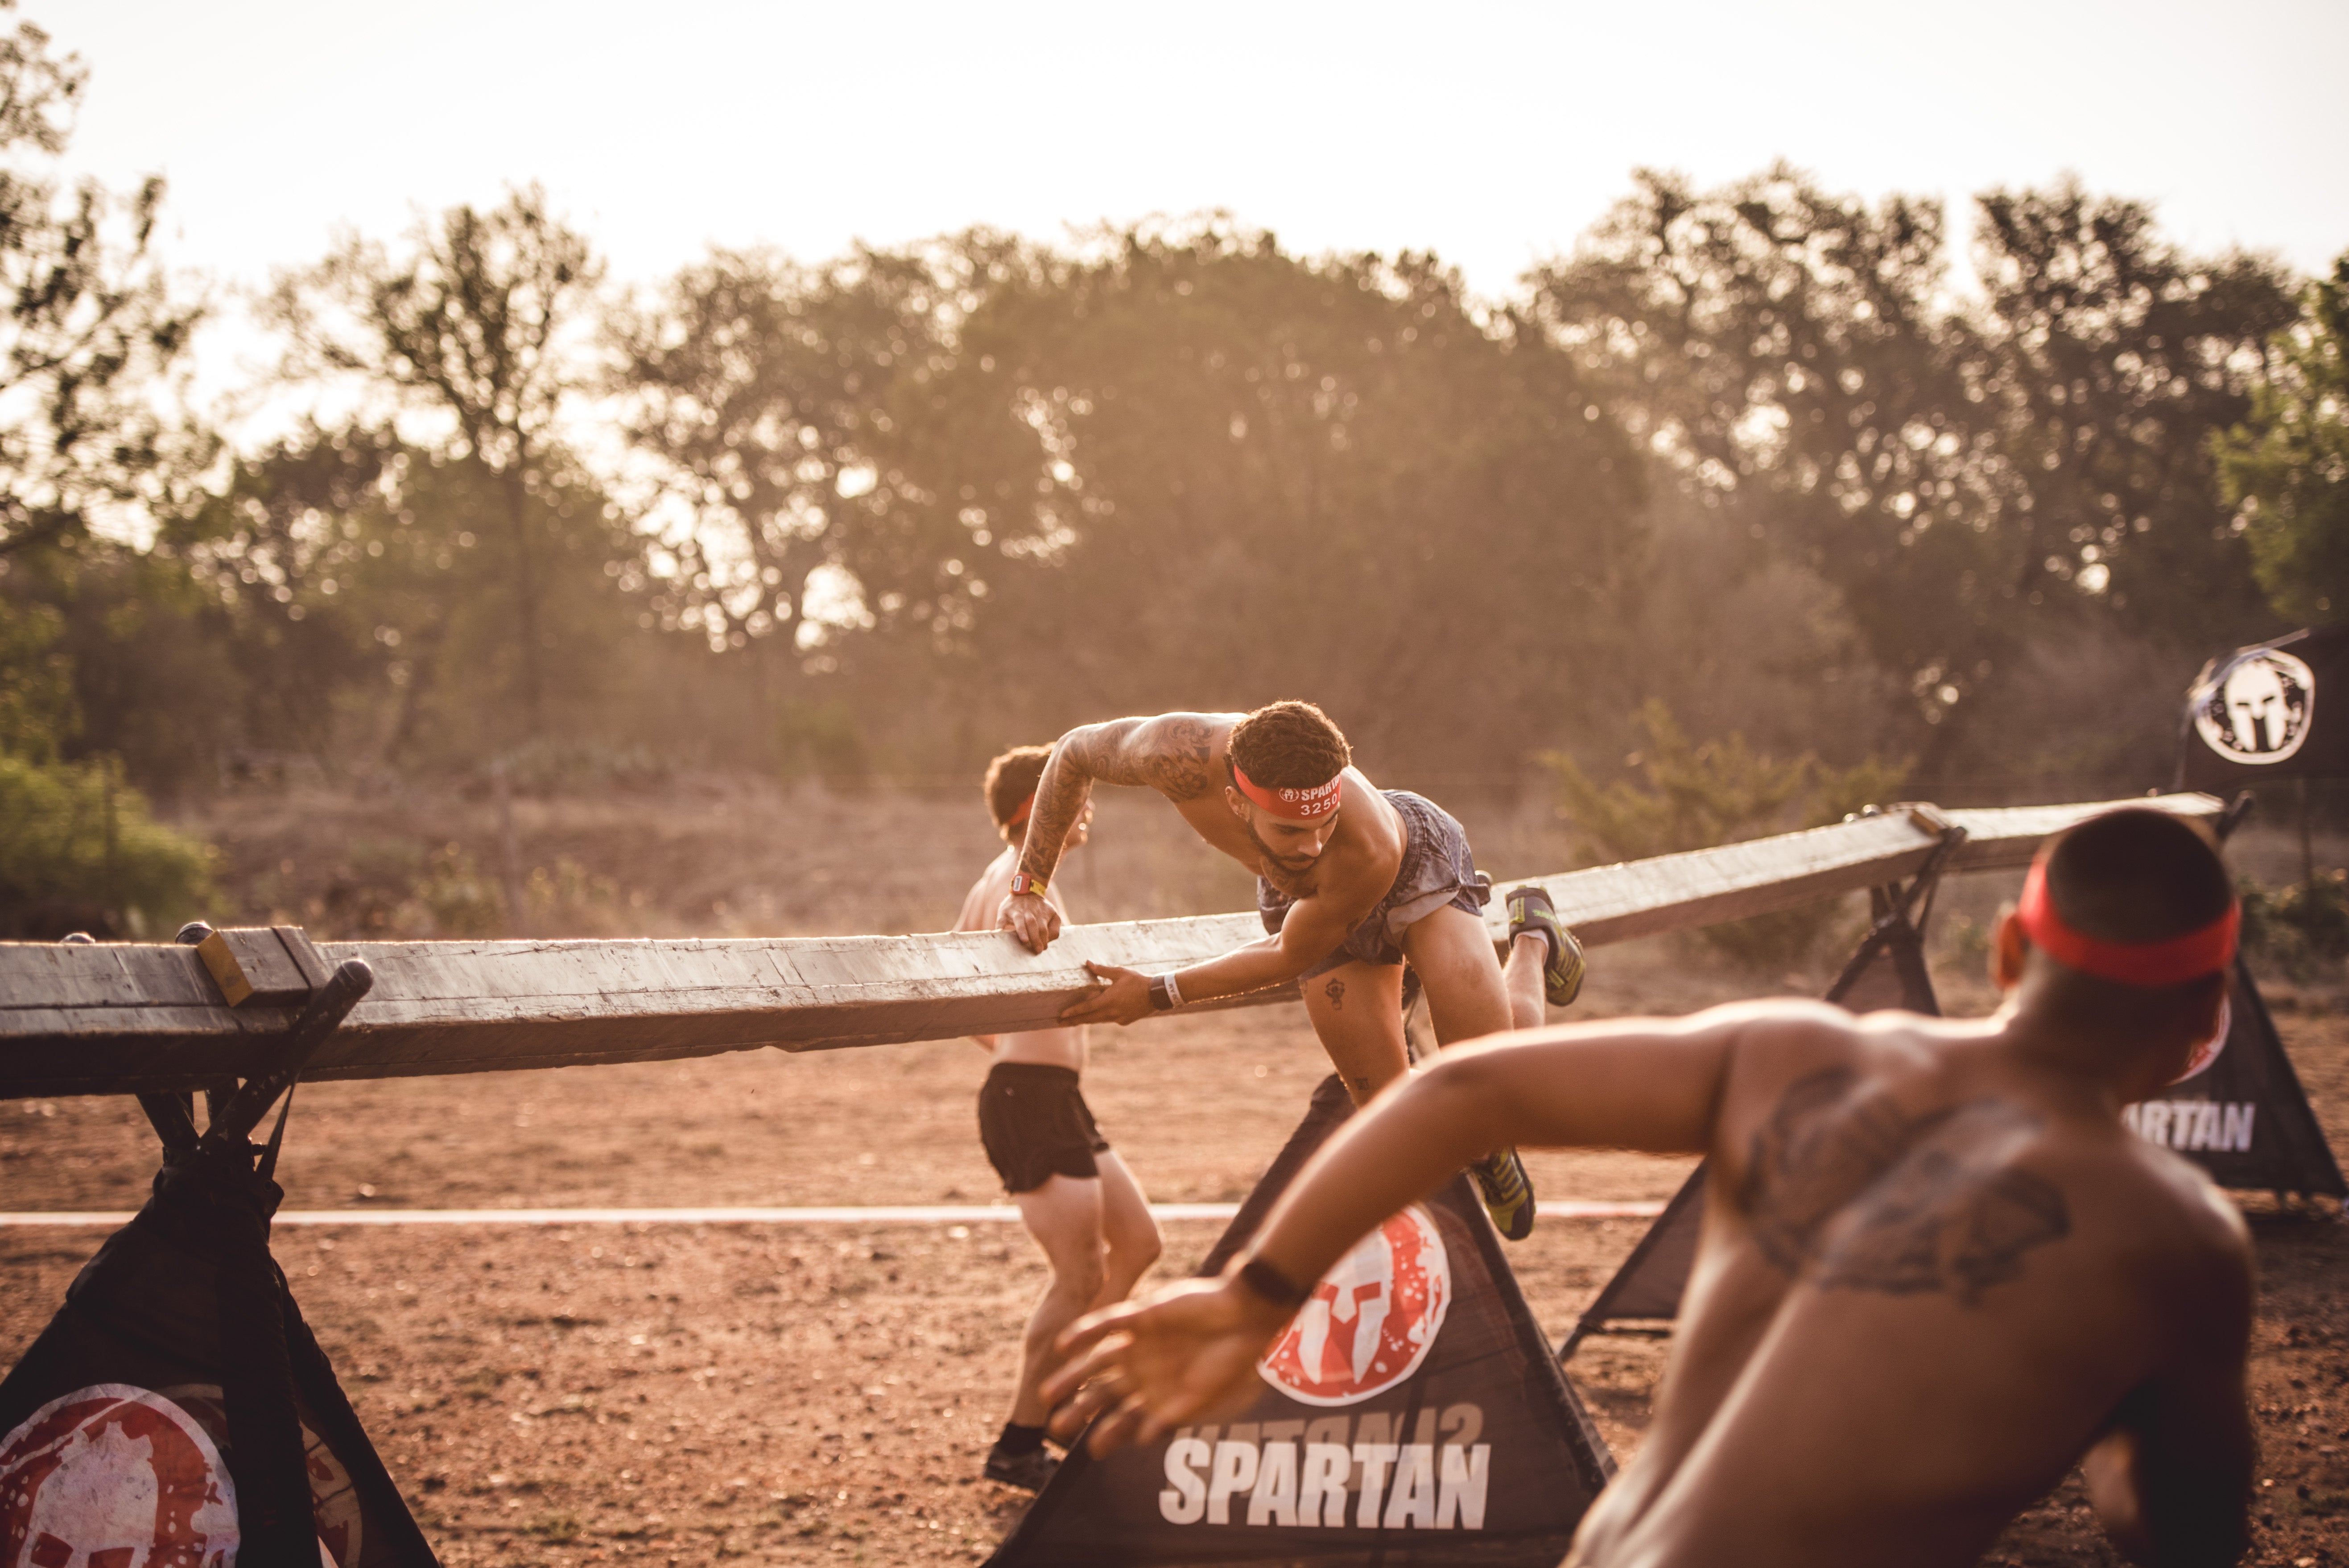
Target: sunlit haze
(1490, 133)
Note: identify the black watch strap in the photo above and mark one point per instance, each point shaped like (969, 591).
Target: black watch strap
(1272, 1284)
(1162, 1000)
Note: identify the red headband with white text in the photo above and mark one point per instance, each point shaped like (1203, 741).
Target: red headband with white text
(2203, 951)
(1291, 805)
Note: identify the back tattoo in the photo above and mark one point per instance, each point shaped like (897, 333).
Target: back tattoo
(1845, 1187)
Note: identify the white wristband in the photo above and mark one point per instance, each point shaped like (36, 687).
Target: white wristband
(1173, 991)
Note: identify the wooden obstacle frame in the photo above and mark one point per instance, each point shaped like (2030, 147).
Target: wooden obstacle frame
(162, 1018)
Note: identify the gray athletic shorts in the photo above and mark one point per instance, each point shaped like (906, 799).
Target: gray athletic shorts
(1437, 870)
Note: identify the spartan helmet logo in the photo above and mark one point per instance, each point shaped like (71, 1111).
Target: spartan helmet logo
(1369, 1321)
(2257, 708)
(112, 1476)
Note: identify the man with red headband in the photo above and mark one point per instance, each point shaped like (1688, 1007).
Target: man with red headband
(1353, 884)
(1936, 1271)
(1074, 1194)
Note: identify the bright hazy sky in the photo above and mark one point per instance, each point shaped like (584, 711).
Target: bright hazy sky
(1492, 133)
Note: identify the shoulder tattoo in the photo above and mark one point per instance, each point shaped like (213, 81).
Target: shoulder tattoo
(1179, 766)
(1845, 1188)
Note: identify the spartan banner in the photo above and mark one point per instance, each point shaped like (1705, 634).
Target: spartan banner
(2268, 712)
(1412, 1414)
(2243, 1116)
(176, 1410)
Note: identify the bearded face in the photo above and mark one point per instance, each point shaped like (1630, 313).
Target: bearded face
(1292, 874)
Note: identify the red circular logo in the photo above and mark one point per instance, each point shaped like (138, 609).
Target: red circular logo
(1371, 1319)
(112, 1476)
(334, 1497)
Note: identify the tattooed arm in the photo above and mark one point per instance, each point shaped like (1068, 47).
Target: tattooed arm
(1645, 1084)
(1173, 754)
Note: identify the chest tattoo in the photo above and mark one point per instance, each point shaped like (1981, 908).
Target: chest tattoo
(1845, 1188)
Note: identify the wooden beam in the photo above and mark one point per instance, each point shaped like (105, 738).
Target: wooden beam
(118, 1017)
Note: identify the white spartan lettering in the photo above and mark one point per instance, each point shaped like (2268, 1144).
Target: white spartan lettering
(2190, 1124)
(1397, 1485)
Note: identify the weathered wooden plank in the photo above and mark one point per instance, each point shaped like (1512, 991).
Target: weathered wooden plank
(1704, 887)
(118, 1017)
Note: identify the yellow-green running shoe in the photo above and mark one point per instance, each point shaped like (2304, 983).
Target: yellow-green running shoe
(1531, 910)
(1508, 1194)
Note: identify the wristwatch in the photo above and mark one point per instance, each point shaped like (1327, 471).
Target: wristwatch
(1269, 1284)
(1021, 883)
(1162, 996)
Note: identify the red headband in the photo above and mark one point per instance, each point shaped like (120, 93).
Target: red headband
(2151, 963)
(1291, 805)
(1020, 816)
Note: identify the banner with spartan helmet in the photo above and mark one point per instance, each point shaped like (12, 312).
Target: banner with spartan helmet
(1410, 1414)
(2269, 712)
(146, 1423)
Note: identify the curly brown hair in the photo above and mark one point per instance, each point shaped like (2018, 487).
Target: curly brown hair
(1011, 778)
(1290, 746)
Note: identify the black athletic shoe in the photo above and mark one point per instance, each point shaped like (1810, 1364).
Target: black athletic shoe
(1027, 1471)
(1531, 910)
(1508, 1194)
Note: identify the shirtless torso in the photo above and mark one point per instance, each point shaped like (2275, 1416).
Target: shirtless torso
(1931, 1276)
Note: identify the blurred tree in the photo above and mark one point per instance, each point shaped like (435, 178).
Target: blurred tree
(470, 324)
(90, 329)
(37, 714)
(291, 547)
(362, 589)
(1185, 469)
(1971, 477)
(762, 391)
(2286, 467)
(2111, 358)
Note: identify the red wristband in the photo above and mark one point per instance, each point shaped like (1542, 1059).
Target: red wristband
(1021, 883)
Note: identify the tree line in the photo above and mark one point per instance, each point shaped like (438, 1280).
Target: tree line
(1757, 453)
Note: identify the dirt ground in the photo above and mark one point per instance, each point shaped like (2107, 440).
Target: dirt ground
(585, 1394)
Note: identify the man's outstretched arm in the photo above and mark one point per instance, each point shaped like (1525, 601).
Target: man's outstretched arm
(2171, 1480)
(1170, 754)
(1311, 932)
(1652, 1084)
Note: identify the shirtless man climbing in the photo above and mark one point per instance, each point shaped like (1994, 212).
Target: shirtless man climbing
(1935, 1272)
(1353, 885)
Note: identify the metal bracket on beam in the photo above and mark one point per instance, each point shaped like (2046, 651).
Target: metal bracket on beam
(1898, 907)
(267, 966)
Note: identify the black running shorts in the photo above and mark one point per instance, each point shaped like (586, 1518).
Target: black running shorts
(1035, 1125)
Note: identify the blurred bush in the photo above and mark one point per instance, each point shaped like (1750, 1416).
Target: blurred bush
(79, 852)
(821, 740)
(461, 900)
(2301, 930)
(1690, 796)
